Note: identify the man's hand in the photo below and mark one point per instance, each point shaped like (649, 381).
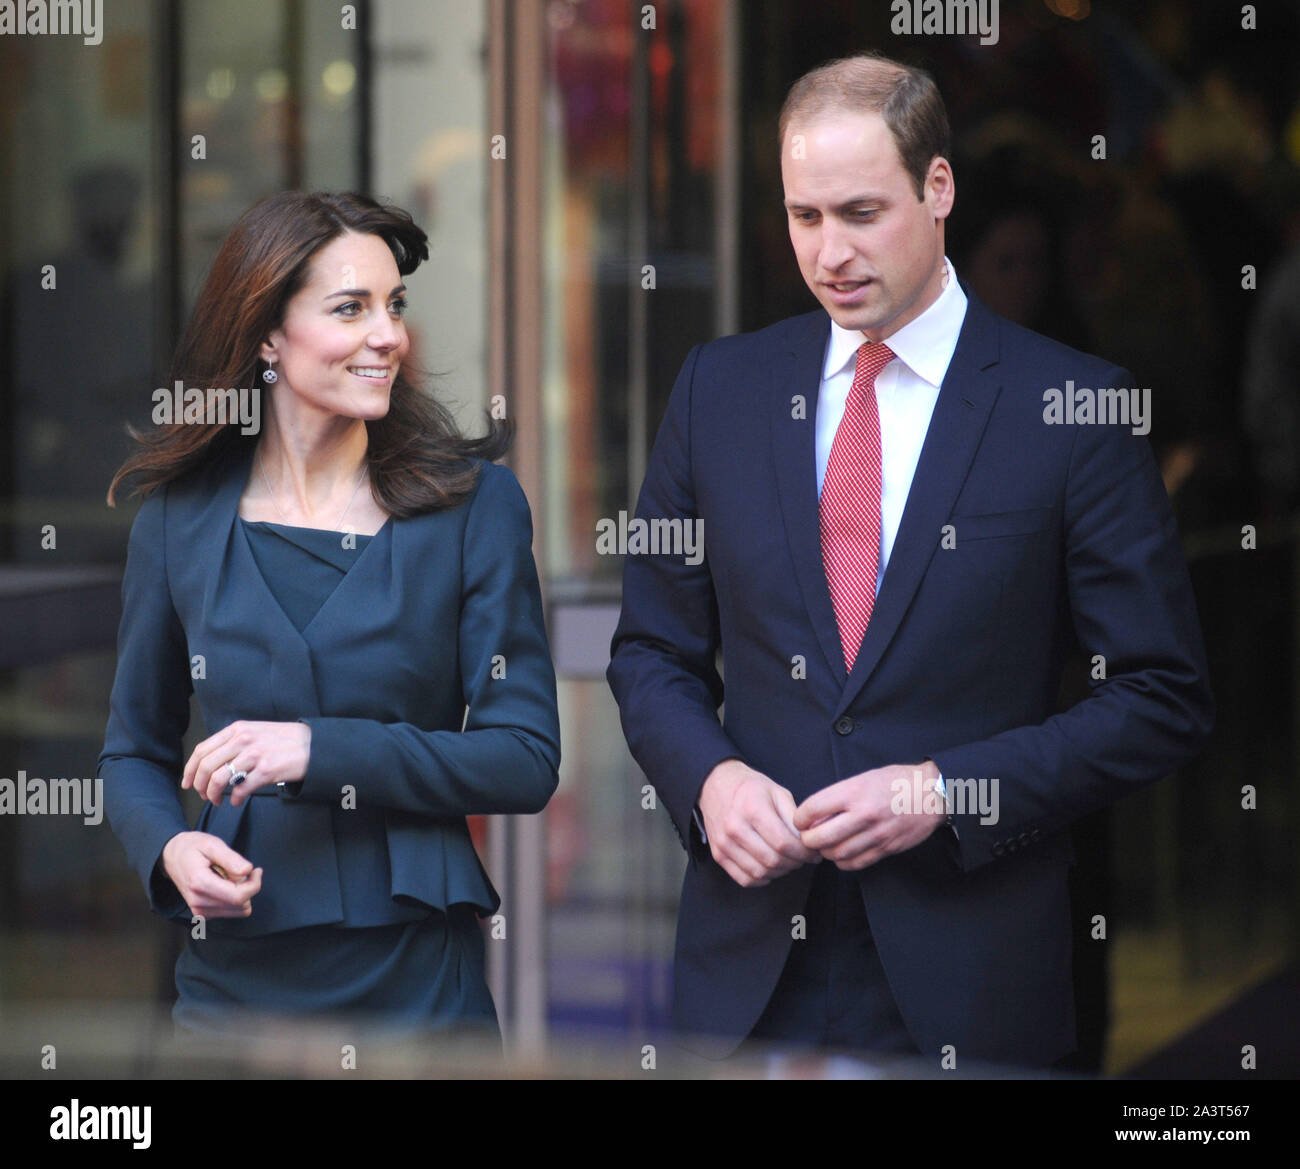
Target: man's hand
(854, 822)
(749, 820)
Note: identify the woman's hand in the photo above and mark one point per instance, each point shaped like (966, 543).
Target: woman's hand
(265, 752)
(212, 877)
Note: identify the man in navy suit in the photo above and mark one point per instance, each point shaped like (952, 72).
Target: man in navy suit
(912, 512)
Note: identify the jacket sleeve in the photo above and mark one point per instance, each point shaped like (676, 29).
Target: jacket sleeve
(662, 668)
(506, 758)
(1131, 602)
(149, 711)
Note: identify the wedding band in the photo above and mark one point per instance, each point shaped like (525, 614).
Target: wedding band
(236, 777)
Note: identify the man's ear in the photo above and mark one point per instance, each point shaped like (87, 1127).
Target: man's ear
(940, 187)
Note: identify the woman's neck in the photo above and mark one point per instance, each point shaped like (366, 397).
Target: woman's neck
(308, 467)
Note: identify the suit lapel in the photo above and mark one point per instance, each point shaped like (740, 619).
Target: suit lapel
(794, 456)
(970, 388)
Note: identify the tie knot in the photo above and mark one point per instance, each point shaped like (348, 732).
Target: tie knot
(873, 356)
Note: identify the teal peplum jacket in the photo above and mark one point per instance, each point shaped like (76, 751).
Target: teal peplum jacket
(426, 679)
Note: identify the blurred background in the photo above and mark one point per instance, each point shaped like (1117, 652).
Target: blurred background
(553, 149)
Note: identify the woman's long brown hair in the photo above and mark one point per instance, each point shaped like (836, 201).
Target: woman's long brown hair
(419, 461)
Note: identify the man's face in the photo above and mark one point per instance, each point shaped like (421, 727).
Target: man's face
(869, 249)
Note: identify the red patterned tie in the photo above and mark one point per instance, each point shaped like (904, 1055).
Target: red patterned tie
(850, 504)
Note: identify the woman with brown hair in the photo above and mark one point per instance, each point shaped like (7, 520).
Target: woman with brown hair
(351, 596)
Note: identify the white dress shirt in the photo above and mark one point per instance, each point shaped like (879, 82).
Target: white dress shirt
(906, 391)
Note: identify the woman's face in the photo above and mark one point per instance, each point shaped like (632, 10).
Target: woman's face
(343, 337)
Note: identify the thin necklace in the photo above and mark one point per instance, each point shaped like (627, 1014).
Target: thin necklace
(338, 526)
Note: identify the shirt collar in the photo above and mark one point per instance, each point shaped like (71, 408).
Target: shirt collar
(925, 345)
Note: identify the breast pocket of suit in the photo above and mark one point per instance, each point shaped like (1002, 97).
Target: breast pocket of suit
(1002, 544)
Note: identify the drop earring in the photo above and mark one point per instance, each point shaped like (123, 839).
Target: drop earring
(268, 374)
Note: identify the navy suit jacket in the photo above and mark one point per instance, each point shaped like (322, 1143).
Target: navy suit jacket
(1062, 532)
(439, 612)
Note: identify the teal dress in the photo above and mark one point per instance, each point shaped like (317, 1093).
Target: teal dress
(385, 962)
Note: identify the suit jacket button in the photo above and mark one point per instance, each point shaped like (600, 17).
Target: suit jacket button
(844, 725)
(1034, 834)
(1023, 839)
(998, 850)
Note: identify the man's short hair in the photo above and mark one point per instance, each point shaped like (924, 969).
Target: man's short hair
(904, 96)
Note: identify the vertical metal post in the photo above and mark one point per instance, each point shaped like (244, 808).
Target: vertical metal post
(726, 201)
(498, 53)
(365, 97)
(165, 112)
(638, 233)
(517, 66)
(294, 52)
